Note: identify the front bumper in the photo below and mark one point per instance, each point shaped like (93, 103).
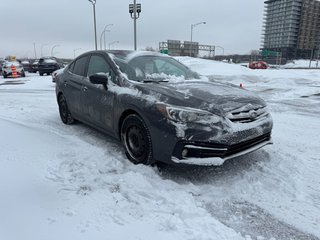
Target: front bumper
(47, 69)
(204, 154)
(9, 73)
(208, 144)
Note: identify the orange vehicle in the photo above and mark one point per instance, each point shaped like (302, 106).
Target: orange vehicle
(258, 65)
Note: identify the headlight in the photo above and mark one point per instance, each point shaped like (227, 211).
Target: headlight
(185, 114)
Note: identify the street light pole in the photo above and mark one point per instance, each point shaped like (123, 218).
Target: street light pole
(74, 52)
(35, 52)
(54, 48)
(193, 26)
(42, 49)
(112, 43)
(135, 23)
(95, 24)
(221, 49)
(104, 36)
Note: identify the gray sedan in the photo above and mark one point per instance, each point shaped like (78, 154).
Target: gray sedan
(160, 109)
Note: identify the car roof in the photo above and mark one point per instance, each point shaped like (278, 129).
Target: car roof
(128, 55)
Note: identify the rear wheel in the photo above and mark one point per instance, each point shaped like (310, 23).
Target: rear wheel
(136, 139)
(41, 73)
(23, 74)
(65, 114)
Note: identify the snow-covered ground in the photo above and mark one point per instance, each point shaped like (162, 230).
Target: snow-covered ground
(72, 182)
(302, 63)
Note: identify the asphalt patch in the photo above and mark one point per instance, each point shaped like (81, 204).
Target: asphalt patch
(249, 219)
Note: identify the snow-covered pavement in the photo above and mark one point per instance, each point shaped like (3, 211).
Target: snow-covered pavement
(72, 182)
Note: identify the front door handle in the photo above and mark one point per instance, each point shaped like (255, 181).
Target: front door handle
(84, 88)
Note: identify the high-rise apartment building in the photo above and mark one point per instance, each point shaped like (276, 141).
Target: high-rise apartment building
(292, 27)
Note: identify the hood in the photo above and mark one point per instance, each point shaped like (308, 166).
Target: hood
(214, 97)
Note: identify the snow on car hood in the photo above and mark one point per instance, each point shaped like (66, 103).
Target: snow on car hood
(210, 96)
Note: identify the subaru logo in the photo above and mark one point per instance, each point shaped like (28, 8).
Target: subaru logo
(253, 114)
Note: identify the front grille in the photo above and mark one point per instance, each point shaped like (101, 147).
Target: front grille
(247, 115)
(206, 150)
(233, 149)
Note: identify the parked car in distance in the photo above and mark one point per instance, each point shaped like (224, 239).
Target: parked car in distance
(7, 69)
(47, 65)
(25, 65)
(258, 65)
(34, 66)
(1, 63)
(160, 109)
(55, 73)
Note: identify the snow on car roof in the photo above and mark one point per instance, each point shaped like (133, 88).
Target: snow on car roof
(13, 63)
(128, 55)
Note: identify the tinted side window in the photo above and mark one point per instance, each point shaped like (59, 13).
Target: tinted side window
(98, 64)
(80, 66)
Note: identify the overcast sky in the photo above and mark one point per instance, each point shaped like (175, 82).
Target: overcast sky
(235, 25)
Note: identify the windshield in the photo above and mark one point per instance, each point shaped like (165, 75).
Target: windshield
(155, 68)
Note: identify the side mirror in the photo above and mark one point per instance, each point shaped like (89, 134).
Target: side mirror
(99, 78)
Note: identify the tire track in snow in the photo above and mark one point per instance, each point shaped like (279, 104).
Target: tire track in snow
(249, 219)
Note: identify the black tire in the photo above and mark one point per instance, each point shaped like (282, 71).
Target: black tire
(65, 114)
(5, 76)
(136, 139)
(23, 74)
(41, 73)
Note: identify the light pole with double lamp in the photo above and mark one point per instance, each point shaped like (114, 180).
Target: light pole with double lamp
(94, 21)
(135, 10)
(192, 27)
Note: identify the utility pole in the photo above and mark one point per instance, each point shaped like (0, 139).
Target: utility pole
(35, 52)
(135, 10)
(95, 24)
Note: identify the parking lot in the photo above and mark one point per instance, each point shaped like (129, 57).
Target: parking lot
(72, 182)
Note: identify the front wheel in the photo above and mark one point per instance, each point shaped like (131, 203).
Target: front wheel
(65, 114)
(136, 139)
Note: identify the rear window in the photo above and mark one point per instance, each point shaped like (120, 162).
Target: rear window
(50, 61)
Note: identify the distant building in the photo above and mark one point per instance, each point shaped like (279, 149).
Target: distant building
(292, 27)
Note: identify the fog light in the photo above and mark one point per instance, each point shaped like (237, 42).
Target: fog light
(184, 153)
